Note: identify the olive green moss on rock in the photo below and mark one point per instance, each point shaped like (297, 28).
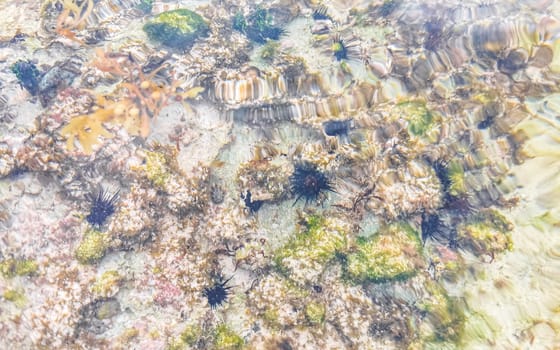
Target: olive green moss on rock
(156, 168)
(187, 339)
(444, 314)
(418, 116)
(92, 248)
(107, 308)
(456, 176)
(18, 267)
(315, 244)
(315, 313)
(107, 285)
(478, 329)
(393, 253)
(15, 296)
(227, 339)
(191, 334)
(486, 233)
(177, 28)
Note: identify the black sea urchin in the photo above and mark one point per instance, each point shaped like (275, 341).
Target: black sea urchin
(432, 227)
(217, 294)
(308, 182)
(102, 206)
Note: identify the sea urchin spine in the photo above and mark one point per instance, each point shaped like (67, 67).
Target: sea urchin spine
(308, 182)
(102, 206)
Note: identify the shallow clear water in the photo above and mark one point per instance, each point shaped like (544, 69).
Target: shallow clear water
(279, 175)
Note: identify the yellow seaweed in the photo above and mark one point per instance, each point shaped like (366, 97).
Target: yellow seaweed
(135, 101)
(86, 129)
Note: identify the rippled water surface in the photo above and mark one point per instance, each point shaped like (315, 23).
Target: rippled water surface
(279, 175)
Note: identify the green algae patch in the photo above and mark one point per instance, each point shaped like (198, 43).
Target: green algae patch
(315, 313)
(92, 248)
(444, 314)
(16, 297)
(419, 117)
(306, 255)
(176, 28)
(18, 267)
(487, 233)
(190, 334)
(227, 339)
(269, 50)
(107, 285)
(456, 176)
(479, 330)
(394, 253)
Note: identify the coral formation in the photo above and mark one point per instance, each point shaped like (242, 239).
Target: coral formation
(108, 284)
(266, 175)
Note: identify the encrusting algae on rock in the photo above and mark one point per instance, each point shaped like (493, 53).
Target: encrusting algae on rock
(18, 267)
(107, 285)
(227, 339)
(15, 296)
(393, 253)
(315, 244)
(487, 233)
(176, 28)
(93, 246)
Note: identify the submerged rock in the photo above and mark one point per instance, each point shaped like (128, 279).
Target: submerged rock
(177, 28)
